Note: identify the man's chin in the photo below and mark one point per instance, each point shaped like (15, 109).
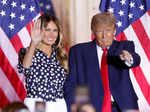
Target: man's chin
(103, 46)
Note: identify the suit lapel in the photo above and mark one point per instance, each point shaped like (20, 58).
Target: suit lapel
(113, 48)
(92, 58)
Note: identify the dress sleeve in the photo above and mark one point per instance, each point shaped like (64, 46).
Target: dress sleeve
(20, 67)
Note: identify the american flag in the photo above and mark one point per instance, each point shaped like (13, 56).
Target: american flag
(46, 6)
(133, 23)
(15, 19)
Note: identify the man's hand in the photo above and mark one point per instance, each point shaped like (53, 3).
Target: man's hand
(125, 56)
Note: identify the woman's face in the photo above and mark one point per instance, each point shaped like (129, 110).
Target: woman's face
(50, 33)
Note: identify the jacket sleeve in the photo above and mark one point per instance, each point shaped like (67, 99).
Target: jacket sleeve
(70, 83)
(130, 47)
(114, 57)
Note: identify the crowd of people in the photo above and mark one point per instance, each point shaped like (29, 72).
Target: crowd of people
(94, 77)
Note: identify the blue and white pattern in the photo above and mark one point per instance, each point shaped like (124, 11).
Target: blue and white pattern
(45, 77)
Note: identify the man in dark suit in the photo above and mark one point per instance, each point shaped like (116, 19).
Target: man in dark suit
(85, 67)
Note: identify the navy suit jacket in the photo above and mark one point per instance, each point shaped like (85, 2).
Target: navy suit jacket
(84, 70)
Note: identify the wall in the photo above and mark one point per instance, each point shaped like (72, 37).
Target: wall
(80, 19)
(75, 16)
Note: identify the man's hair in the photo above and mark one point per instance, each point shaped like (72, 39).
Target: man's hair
(105, 18)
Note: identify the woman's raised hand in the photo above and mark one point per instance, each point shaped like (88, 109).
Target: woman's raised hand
(36, 32)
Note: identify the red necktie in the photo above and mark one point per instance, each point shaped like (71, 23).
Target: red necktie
(104, 72)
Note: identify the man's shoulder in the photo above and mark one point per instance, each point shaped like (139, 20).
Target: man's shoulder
(82, 48)
(82, 45)
(124, 42)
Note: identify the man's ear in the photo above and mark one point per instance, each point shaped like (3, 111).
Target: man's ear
(92, 36)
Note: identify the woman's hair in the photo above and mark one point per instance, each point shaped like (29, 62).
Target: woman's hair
(59, 43)
(105, 18)
(15, 107)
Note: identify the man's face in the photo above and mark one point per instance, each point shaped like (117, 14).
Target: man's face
(104, 35)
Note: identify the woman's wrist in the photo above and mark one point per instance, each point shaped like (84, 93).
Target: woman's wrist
(33, 44)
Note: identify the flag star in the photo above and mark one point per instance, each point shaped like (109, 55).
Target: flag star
(32, 8)
(41, 4)
(130, 16)
(123, 2)
(121, 13)
(23, 6)
(119, 23)
(132, 4)
(111, 10)
(3, 13)
(48, 7)
(14, 4)
(11, 26)
(12, 15)
(113, 1)
(21, 17)
(4, 2)
(142, 7)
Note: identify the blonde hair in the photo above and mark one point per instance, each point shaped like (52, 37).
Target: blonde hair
(61, 53)
(59, 43)
(105, 18)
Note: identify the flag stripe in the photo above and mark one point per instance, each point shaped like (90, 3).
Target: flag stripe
(16, 42)
(28, 27)
(8, 49)
(24, 36)
(139, 49)
(7, 88)
(140, 32)
(141, 101)
(11, 75)
(142, 82)
(4, 101)
(146, 24)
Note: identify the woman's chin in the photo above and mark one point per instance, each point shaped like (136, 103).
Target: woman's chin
(48, 43)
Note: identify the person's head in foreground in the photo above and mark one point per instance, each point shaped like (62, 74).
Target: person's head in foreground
(16, 107)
